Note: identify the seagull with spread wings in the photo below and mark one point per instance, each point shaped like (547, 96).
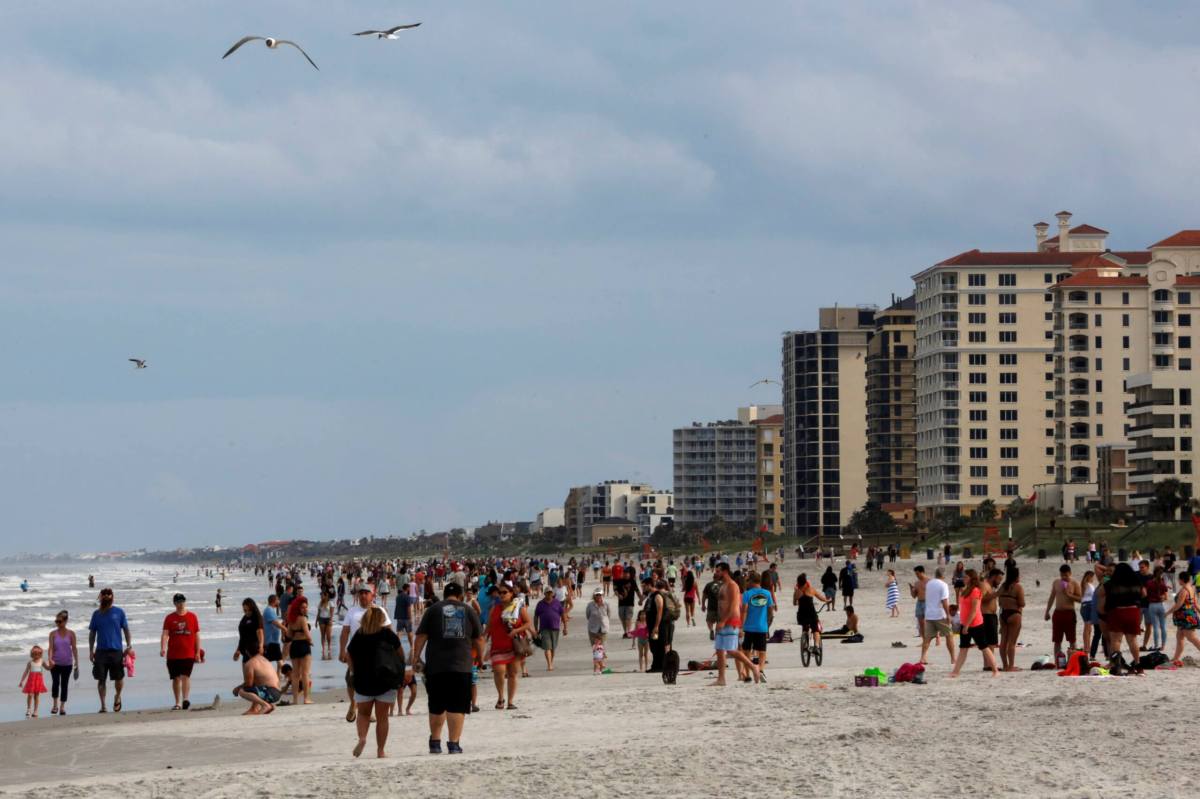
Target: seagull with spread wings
(138, 363)
(766, 380)
(390, 33)
(273, 44)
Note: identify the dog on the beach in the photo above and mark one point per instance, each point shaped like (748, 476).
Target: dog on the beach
(670, 670)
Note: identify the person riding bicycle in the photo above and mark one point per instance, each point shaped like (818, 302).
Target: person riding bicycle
(804, 598)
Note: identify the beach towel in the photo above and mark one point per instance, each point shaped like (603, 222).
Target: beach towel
(130, 657)
(1078, 665)
(908, 672)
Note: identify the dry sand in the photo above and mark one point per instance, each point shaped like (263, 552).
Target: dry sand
(807, 732)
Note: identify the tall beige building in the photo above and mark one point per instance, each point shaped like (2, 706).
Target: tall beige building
(824, 421)
(769, 440)
(985, 371)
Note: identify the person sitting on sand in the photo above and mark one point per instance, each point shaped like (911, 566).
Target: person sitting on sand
(260, 686)
(851, 625)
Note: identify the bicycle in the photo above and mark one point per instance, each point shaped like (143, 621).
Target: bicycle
(808, 651)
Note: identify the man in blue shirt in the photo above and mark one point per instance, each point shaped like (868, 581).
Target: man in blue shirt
(273, 632)
(106, 650)
(758, 608)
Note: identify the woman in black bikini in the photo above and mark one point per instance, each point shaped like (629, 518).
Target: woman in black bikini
(1011, 596)
(300, 650)
(804, 598)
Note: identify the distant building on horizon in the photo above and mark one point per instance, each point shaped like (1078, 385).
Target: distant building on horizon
(825, 421)
(716, 468)
(549, 518)
(639, 503)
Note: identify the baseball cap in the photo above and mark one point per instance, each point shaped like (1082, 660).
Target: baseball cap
(179, 598)
(365, 587)
(452, 589)
(598, 592)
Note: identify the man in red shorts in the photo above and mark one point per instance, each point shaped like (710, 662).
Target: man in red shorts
(1065, 593)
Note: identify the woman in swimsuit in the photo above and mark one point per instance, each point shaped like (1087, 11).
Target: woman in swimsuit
(1185, 615)
(300, 650)
(325, 624)
(689, 598)
(1011, 596)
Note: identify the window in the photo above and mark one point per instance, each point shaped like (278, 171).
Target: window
(978, 452)
(1099, 407)
(1050, 335)
(1008, 490)
(1008, 299)
(1008, 396)
(977, 396)
(1048, 316)
(1008, 318)
(1050, 469)
(1099, 386)
(1049, 357)
(979, 471)
(1008, 434)
(1162, 339)
(1009, 471)
(1049, 413)
(1008, 279)
(1099, 319)
(978, 415)
(1185, 364)
(1008, 415)
(1048, 297)
(1099, 342)
(977, 318)
(1162, 361)
(1008, 359)
(1008, 378)
(1047, 277)
(1049, 375)
(1124, 320)
(1008, 337)
(1162, 317)
(1185, 298)
(1050, 451)
(977, 378)
(979, 490)
(1099, 430)
(1185, 320)
(1185, 342)
(1124, 297)
(977, 359)
(1008, 453)
(1125, 364)
(1049, 432)
(976, 280)
(976, 299)
(1124, 342)
(1162, 295)
(976, 336)
(978, 434)
(1099, 364)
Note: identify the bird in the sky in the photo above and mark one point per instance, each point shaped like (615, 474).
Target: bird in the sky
(272, 44)
(390, 33)
(138, 363)
(766, 380)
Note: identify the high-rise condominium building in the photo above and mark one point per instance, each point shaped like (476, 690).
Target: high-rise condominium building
(769, 516)
(824, 421)
(716, 468)
(985, 370)
(891, 410)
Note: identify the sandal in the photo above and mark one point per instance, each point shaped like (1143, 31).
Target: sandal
(500, 705)
(511, 706)
(117, 706)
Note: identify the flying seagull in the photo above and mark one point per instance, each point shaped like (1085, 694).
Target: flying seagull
(138, 363)
(390, 33)
(766, 380)
(272, 44)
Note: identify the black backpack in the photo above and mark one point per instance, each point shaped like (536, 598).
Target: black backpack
(670, 670)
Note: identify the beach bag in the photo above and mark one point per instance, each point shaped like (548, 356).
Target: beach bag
(522, 647)
(1152, 660)
(908, 672)
(670, 606)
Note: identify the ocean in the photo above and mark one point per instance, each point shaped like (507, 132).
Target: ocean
(144, 591)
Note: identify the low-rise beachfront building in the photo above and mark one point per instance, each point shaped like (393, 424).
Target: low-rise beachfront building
(635, 502)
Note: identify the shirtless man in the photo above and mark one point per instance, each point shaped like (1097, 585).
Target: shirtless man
(990, 607)
(729, 614)
(917, 591)
(1065, 593)
(260, 686)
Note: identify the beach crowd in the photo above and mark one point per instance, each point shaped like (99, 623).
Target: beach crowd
(446, 623)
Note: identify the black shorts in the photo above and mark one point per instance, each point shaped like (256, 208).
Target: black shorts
(448, 692)
(273, 652)
(991, 629)
(975, 636)
(754, 642)
(181, 667)
(109, 664)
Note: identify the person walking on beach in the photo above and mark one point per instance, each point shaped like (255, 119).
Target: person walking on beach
(1064, 594)
(300, 649)
(62, 659)
(547, 620)
(105, 649)
(508, 621)
(250, 631)
(730, 615)
(709, 600)
(218, 601)
(364, 598)
(758, 611)
(937, 616)
(32, 682)
(273, 630)
(1185, 615)
(325, 625)
(627, 596)
(829, 583)
(597, 618)
(180, 645)
(970, 615)
(377, 658)
(450, 638)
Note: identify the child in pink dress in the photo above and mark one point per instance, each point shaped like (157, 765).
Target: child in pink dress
(32, 682)
(641, 638)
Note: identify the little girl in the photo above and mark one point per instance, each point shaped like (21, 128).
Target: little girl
(641, 638)
(598, 657)
(32, 682)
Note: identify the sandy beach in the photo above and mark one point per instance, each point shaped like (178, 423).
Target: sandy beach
(808, 731)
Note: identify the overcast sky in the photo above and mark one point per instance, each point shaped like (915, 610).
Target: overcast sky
(444, 278)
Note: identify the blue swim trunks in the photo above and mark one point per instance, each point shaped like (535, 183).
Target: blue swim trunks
(726, 639)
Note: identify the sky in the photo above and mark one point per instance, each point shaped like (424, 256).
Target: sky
(444, 278)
